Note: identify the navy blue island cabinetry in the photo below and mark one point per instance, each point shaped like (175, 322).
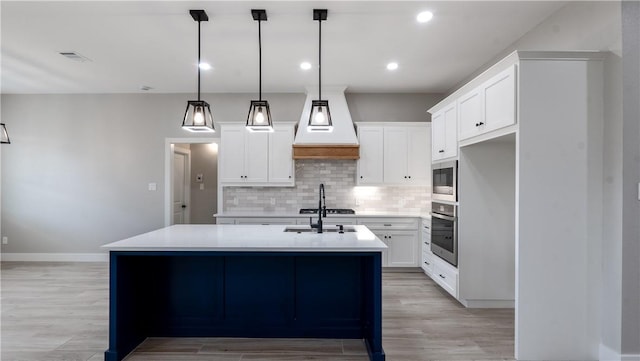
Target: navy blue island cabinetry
(245, 281)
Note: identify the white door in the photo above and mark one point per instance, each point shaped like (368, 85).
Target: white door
(419, 155)
(181, 180)
(280, 157)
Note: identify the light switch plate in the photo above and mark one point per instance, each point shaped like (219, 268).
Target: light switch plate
(152, 186)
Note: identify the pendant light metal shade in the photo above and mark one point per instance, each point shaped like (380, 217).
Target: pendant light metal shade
(320, 116)
(4, 136)
(197, 117)
(259, 118)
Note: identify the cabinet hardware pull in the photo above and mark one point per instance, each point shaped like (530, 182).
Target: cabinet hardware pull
(289, 177)
(441, 276)
(361, 177)
(481, 123)
(427, 243)
(409, 177)
(387, 225)
(441, 151)
(405, 177)
(427, 263)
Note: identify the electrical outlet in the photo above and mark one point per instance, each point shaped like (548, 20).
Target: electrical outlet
(5, 240)
(235, 201)
(273, 201)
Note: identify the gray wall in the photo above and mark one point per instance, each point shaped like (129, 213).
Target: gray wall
(76, 174)
(631, 176)
(204, 202)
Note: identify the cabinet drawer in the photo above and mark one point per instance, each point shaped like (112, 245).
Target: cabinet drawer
(329, 221)
(389, 223)
(266, 221)
(427, 263)
(426, 243)
(225, 221)
(445, 275)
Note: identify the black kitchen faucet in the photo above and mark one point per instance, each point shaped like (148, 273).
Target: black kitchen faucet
(322, 209)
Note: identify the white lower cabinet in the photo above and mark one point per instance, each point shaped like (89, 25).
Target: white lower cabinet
(425, 243)
(400, 235)
(256, 220)
(445, 275)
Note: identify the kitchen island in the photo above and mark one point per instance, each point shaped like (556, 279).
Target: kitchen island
(245, 281)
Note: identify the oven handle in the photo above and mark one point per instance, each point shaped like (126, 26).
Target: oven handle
(442, 216)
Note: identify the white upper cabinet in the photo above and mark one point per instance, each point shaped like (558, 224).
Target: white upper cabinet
(281, 166)
(470, 114)
(500, 100)
(371, 155)
(444, 133)
(490, 106)
(394, 154)
(406, 155)
(256, 158)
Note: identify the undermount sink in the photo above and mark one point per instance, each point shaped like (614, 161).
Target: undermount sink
(308, 229)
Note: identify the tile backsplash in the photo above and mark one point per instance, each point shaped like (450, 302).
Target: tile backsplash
(339, 178)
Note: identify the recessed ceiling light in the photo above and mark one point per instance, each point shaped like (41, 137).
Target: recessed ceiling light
(424, 16)
(392, 66)
(305, 65)
(205, 66)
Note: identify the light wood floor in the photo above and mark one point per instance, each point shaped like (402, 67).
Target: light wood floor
(59, 311)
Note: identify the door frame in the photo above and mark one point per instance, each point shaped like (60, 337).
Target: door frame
(168, 169)
(187, 183)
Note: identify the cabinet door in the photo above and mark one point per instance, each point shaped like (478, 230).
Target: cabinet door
(418, 156)
(402, 249)
(395, 155)
(256, 156)
(232, 154)
(500, 100)
(385, 253)
(470, 114)
(280, 155)
(450, 132)
(371, 155)
(437, 135)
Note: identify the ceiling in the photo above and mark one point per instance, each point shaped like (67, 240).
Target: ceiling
(148, 43)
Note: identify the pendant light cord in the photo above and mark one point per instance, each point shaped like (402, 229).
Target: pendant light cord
(198, 59)
(320, 59)
(260, 60)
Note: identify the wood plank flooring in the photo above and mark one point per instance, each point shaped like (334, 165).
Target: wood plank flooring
(59, 312)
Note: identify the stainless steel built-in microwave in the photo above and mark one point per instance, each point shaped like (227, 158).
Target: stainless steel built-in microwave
(445, 181)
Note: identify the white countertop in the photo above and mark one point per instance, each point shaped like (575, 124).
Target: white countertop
(248, 238)
(257, 214)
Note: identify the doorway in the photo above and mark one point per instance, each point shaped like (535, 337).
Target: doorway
(191, 180)
(181, 184)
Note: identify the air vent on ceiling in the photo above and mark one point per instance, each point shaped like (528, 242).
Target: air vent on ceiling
(74, 56)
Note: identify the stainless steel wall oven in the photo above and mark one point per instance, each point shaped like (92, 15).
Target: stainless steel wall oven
(444, 232)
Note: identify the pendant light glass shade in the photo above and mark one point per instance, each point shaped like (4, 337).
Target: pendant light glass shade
(197, 117)
(320, 116)
(4, 136)
(259, 118)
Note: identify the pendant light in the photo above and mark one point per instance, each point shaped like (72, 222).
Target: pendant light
(259, 118)
(4, 136)
(197, 117)
(320, 117)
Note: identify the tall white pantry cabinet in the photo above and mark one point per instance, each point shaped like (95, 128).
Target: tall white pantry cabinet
(546, 110)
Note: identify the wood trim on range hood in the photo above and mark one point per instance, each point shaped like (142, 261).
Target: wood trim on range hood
(326, 151)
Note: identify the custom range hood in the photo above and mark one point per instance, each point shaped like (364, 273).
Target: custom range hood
(340, 142)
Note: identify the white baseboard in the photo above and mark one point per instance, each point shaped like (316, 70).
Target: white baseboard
(55, 257)
(488, 303)
(608, 354)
